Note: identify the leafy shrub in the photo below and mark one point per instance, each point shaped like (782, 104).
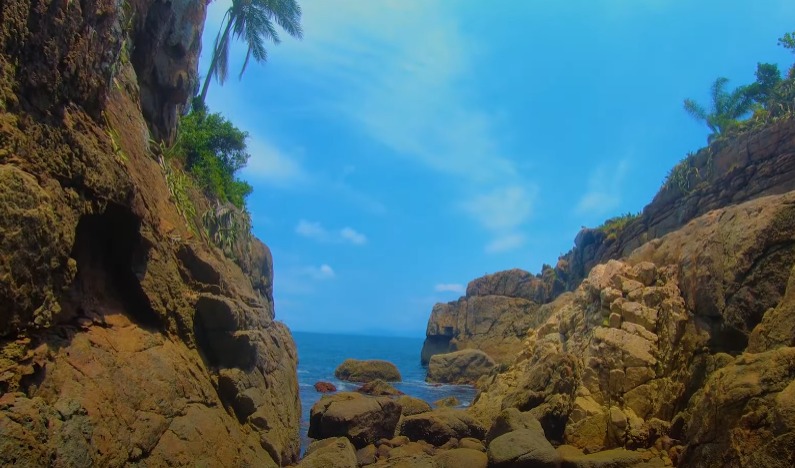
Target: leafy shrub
(214, 150)
(613, 226)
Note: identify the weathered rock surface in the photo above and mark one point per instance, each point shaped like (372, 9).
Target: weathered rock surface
(379, 388)
(354, 370)
(410, 405)
(441, 425)
(642, 352)
(744, 168)
(337, 452)
(461, 367)
(325, 387)
(487, 319)
(522, 448)
(362, 419)
(125, 338)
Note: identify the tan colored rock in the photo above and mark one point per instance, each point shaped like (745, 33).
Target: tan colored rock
(523, 447)
(447, 402)
(461, 458)
(440, 425)
(511, 419)
(366, 455)
(362, 419)
(460, 367)
(410, 405)
(472, 443)
(330, 453)
(639, 314)
(378, 388)
(354, 370)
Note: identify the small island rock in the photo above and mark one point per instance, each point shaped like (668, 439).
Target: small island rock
(354, 370)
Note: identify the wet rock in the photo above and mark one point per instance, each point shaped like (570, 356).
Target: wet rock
(354, 370)
(379, 388)
(325, 387)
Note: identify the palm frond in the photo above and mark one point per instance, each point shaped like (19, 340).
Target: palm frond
(695, 109)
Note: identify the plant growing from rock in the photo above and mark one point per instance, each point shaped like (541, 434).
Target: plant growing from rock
(726, 107)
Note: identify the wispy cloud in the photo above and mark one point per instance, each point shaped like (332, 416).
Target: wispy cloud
(322, 272)
(506, 243)
(604, 190)
(450, 287)
(503, 211)
(316, 231)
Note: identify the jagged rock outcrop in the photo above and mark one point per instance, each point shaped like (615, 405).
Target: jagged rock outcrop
(461, 367)
(643, 350)
(730, 171)
(492, 317)
(125, 337)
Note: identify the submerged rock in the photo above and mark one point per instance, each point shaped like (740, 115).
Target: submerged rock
(379, 388)
(354, 370)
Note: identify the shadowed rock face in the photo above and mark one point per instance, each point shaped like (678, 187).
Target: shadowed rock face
(124, 337)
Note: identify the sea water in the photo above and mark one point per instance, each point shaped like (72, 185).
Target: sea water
(320, 354)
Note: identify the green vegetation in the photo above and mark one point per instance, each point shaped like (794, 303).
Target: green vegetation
(226, 226)
(727, 107)
(213, 150)
(766, 100)
(252, 21)
(613, 226)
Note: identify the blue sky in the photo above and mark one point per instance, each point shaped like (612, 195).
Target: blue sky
(406, 147)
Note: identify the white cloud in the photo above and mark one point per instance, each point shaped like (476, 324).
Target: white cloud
(350, 235)
(316, 231)
(505, 243)
(604, 190)
(323, 272)
(502, 208)
(450, 287)
(272, 166)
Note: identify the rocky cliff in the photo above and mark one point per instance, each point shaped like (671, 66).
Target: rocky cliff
(498, 308)
(125, 336)
(687, 343)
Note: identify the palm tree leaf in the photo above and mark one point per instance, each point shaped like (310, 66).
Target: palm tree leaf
(695, 109)
(222, 67)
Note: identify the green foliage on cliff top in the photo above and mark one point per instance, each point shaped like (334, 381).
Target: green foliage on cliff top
(213, 150)
(766, 100)
(613, 226)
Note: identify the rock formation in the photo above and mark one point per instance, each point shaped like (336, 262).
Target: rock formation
(461, 367)
(498, 308)
(125, 336)
(354, 370)
(650, 347)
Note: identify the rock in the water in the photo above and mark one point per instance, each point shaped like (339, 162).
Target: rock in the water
(379, 388)
(362, 419)
(522, 448)
(460, 367)
(354, 370)
(411, 406)
(447, 402)
(325, 387)
(441, 425)
(330, 453)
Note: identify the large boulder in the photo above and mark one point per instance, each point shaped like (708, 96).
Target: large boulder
(461, 458)
(522, 448)
(459, 367)
(411, 406)
(354, 370)
(440, 425)
(362, 419)
(336, 452)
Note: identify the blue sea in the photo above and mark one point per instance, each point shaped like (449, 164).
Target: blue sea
(319, 354)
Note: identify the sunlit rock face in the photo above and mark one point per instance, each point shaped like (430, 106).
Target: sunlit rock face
(684, 341)
(124, 336)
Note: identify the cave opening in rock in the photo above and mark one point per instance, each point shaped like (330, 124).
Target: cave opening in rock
(111, 260)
